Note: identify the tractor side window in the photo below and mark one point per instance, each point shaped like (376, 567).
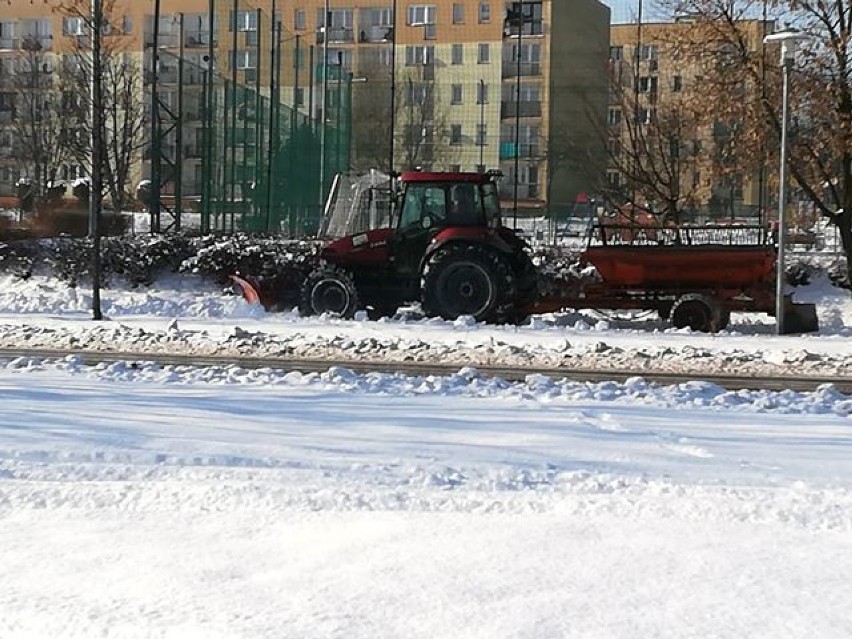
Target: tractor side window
(491, 200)
(423, 202)
(465, 205)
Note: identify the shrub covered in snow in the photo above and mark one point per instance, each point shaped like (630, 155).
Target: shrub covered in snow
(140, 260)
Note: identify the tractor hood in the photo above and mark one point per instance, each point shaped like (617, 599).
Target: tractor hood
(361, 247)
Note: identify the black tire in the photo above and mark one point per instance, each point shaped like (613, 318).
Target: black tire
(665, 311)
(468, 279)
(698, 312)
(331, 290)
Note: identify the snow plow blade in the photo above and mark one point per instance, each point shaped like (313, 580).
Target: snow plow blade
(800, 318)
(275, 293)
(246, 289)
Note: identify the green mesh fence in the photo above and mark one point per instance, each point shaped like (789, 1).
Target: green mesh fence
(261, 159)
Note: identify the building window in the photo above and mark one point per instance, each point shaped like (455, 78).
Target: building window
(419, 55)
(613, 178)
(647, 52)
(482, 93)
(72, 27)
(647, 84)
(458, 13)
(300, 97)
(481, 134)
(484, 12)
(455, 168)
(299, 20)
(244, 21)
(677, 83)
(421, 14)
(484, 54)
(614, 116)
(458, 54)
(480, 168)
(457, 94)
(246, 59)
(616, 53)
(455, 134)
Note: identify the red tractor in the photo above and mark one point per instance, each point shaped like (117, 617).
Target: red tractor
(443, 244)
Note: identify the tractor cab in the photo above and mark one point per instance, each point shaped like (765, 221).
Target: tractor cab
(434, 207)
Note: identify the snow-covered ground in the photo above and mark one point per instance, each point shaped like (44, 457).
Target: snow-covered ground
(141, 501)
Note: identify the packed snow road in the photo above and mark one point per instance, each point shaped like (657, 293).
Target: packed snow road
(141, 501)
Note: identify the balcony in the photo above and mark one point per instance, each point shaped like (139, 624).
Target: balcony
(376, 33)
(527, 69)
(530, 28)
(520, 109)
(525, 191)
(510, 150)
(337, 35)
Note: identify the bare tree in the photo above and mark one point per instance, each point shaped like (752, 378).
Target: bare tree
(820, 153)
(653, 143)
(372, 116)
(40, 124)
(124, 132)
(426, 137)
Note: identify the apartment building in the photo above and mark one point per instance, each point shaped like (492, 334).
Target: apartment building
(645, 68)
(479, 84)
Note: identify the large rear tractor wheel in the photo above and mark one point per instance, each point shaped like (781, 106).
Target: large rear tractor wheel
(330, 290)
(698, 312)
(468, 279)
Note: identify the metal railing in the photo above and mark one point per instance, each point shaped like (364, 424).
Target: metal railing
(510, 109)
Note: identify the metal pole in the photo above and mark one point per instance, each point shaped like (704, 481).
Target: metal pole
(392, 90)
(209, 137)
(782, 199)
(761, 177)
(325, 22)
(96, 194)
(349, 80)
(311, 72)
(273, 130)
(518, 116)
(258, 121)
(482, 123)
(233, 168)
(179, 127)
(156, 142)
(338, 112)
(636, 70)
(297, 61)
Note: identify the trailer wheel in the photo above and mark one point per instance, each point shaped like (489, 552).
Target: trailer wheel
(698, 312)
(468, 279)
(329, 290)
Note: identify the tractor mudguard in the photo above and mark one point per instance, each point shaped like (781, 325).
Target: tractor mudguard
(471, 235)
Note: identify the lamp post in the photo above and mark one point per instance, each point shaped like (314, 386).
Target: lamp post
(789, 41)
(96, 184)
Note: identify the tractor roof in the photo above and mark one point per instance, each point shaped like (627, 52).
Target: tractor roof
(423, 176)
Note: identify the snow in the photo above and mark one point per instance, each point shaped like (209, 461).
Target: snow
(140, 500)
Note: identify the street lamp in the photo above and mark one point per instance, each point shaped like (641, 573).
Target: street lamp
(789, 41)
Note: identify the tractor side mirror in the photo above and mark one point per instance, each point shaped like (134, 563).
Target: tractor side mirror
(426, 222)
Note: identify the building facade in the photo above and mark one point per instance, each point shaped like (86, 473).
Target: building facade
(650, 81)
(478, 84)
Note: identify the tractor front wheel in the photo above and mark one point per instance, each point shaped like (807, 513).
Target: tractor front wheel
(329, 290)
(468, 279)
